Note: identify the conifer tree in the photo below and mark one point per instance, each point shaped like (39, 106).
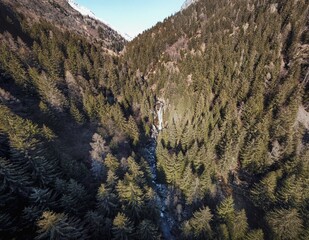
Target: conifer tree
(122, 227)
(106, 200)
(285, 223)
(59, 226)
(147, 230)
(255, 235)
(100, 227)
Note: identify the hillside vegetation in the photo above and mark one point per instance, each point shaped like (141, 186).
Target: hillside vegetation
(234, 79)
(76, 120)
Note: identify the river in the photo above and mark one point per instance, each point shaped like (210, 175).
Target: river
(166, 219)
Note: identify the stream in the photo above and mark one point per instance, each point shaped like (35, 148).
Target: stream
(166, 219)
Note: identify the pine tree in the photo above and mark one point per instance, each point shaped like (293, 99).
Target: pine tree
(106, 200)
(132, 130)
(226, 209)
(45, 198)
(99, 226)
(200, 224)
(173, 169)
(122, 227)
(76, 114)
(292, 191)
(48, 90)
(7, 223)
(285, 223)
(13, 177)
(238, 226)
(98, 153)
(74, 196)
(255, 235)
(147, 230)
(135, 172)
(59, 226)
(111, 162)
(263, 193)
(131, 196)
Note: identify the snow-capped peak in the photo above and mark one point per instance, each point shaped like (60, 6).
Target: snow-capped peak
(82, 10)
(187, 3)
(87, 12)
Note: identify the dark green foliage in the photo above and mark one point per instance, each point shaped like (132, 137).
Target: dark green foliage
(147, 230)
(235, 222)
(122, 227)
(232, 79)
(285, 224)
(12, 65)
(74, 197)
(198, 227)
(106, 201)
(46, 182)
(255, 235)
(59, 226)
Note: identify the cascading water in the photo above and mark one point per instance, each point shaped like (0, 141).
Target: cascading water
(166, 220)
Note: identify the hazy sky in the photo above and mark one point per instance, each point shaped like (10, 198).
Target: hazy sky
(132, 16)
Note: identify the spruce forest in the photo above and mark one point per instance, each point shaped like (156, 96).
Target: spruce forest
(198, 128)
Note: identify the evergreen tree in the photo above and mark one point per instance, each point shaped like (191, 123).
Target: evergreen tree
(147, 230)
(122, 227)
(199, 224)
(59, 226)
(285, 224)
(106, 200)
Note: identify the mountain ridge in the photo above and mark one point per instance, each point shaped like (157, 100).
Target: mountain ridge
(187, 3)
(87, 12)
(60, 12)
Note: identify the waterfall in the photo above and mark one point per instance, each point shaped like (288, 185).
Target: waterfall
(166, 221)
(158, 118)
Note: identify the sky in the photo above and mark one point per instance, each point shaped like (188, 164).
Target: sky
(132, 16)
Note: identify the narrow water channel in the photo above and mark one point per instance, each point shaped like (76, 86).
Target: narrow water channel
(166, 220)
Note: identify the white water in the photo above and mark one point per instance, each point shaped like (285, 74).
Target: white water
(160, 118)
(87, 12)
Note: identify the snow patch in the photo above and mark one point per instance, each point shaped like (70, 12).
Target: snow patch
(82, 10)
(87, 12)
(187, 3)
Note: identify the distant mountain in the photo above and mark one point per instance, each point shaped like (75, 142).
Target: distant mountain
(71, 16)
(187, 3)
(83, 10)
(87, 12)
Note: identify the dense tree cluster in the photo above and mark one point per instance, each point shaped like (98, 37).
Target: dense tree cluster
(233, 156)
(233, 78)
(68, 168)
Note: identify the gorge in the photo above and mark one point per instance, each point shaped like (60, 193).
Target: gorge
(195, 129)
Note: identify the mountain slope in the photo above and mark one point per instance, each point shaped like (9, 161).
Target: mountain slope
(198, 130)
(70, 164)
(187, 3)
(61, 14)
(86, 12)
(233, 79)
(82, 10)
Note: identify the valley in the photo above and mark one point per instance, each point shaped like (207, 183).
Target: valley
(195, 129)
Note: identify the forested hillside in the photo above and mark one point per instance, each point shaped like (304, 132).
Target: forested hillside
(233, 77)
(198, 129)
(68, 167)
(60, 14)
